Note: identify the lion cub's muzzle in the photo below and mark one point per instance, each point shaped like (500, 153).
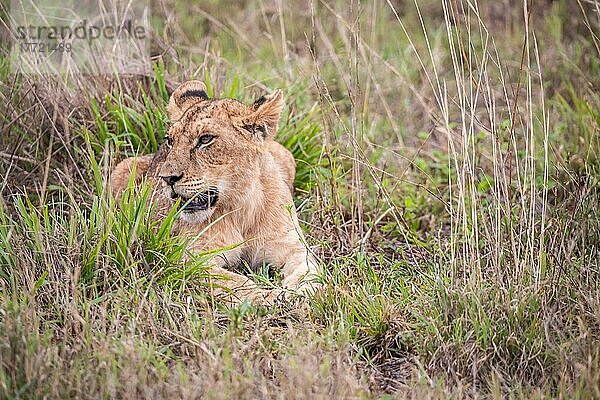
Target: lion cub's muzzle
(199, 202)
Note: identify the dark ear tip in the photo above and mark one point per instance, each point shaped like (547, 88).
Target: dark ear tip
(194, 93)
(276, 96)
(260, 101)
(190, 89)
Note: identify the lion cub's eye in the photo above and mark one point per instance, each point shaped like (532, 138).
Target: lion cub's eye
(204, 141)
(169, 142)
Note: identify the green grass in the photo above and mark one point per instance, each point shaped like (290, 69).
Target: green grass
(447, 180)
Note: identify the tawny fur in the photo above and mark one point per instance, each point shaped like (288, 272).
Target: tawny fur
(254, 176)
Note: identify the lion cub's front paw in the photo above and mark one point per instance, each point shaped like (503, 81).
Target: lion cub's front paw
(256, 296)
(267, 297)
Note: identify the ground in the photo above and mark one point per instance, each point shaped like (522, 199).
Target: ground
(448, 182)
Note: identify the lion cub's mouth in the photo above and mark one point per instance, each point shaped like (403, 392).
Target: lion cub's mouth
(201, 201)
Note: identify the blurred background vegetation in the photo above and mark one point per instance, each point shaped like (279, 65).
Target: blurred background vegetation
(447, 180)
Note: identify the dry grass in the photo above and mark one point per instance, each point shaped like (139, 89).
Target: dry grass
(448, 180)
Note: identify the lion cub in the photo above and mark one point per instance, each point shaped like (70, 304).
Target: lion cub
(234, 185)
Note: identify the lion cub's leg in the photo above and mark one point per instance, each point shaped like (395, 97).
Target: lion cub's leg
(119, 179)
(235, 288)
(300, 273)
(227, 285)
(298, 268)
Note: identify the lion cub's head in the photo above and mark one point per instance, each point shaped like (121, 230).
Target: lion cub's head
(213, 149)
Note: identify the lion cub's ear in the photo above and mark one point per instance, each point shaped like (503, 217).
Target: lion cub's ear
(186, 95)
(264, 120)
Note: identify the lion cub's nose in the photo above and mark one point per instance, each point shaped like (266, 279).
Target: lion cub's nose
(171, 179)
